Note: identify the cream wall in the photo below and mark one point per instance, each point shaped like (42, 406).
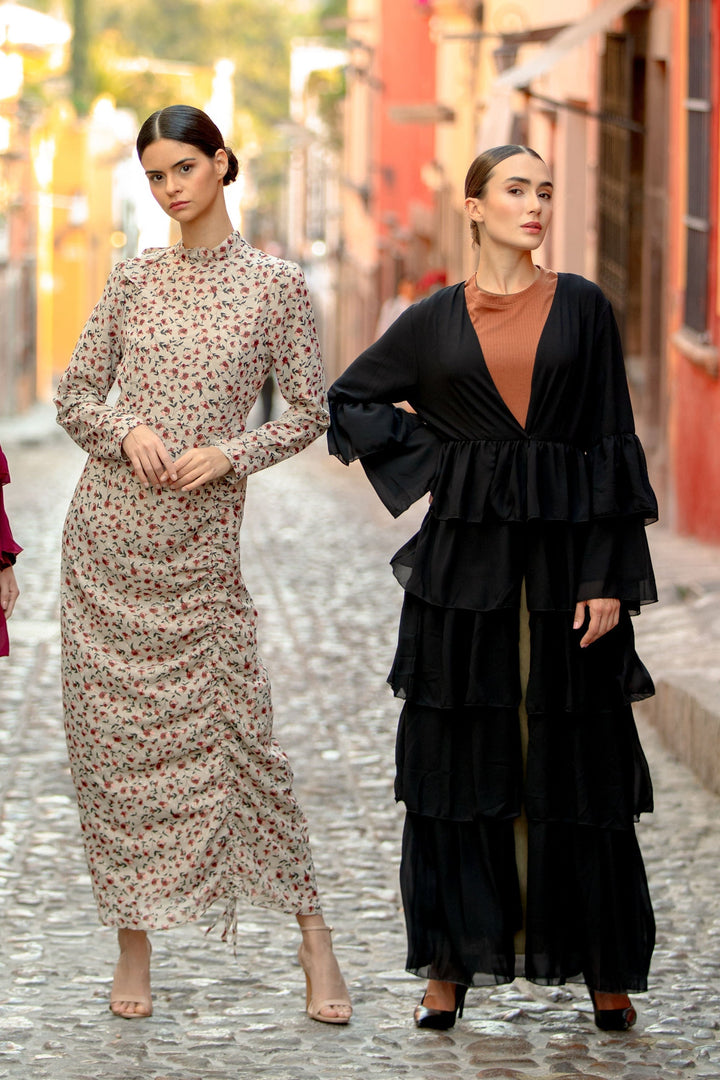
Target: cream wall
(566, 140)
(363, 26)
(461, 81)
(357, 293)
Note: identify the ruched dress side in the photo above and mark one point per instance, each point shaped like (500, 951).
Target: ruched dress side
(560, 504)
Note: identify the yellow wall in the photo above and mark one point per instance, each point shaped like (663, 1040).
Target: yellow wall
(74, 227)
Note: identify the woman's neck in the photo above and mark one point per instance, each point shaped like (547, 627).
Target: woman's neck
(209, 230)
(506, 271)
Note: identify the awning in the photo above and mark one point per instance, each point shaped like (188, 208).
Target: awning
(559, 46)
(496, 125)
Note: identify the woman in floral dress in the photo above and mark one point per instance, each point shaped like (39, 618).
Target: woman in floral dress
(185, 798)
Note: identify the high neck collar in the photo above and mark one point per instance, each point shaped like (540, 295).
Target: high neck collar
(226, 247)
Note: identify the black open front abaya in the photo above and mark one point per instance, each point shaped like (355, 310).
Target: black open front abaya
(562, 505)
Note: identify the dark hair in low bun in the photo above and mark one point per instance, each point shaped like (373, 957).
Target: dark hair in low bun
(186, 124)
(233, 167)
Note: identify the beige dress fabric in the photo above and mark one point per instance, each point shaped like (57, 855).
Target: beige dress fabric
(185, 797)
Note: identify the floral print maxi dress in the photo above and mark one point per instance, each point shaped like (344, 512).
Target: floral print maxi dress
(185, 798)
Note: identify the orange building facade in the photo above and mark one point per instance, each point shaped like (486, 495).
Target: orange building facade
(694, 283)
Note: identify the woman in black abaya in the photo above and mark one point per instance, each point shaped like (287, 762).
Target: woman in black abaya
(518, 759)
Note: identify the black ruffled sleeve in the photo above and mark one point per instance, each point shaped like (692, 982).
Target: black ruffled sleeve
(397, 450)
(616, 561)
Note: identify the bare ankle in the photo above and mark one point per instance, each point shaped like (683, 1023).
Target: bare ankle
(133, 940)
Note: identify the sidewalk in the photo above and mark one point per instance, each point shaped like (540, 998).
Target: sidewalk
(315, 549)
(679, 640)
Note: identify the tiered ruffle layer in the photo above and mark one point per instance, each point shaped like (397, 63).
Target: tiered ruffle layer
(569, 522)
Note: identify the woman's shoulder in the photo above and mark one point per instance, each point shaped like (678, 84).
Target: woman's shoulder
(271, 267)
(437, 305)
(581, 288)
(442, 297)
(135, 269)
(153, 254)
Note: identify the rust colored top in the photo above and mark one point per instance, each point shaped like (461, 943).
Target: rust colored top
(508, 328)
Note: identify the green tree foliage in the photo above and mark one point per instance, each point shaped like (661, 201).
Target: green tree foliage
(79, 68)
(255, 34)
(332, 19)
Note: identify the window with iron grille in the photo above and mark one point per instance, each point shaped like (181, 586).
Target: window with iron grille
(697, 219)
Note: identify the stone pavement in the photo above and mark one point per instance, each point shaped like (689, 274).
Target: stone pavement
(315, 550)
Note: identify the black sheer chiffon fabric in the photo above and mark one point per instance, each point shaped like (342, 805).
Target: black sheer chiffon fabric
(588, 907)
(561, 506)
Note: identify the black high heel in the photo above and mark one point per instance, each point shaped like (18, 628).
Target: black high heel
(613, 1019)
(440, 1019)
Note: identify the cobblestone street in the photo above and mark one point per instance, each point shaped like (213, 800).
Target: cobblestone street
(316, 544)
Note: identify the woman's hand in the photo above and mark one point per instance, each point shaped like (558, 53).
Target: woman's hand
(9, 591)
(148, 456)
(197, 467)
(604, 615)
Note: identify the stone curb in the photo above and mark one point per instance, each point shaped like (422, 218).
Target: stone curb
(686, 713)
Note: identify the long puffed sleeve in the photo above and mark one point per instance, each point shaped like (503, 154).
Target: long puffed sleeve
(397, 450)
(295, 352)
(81, 395)
(8, 547)
(616, 560)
